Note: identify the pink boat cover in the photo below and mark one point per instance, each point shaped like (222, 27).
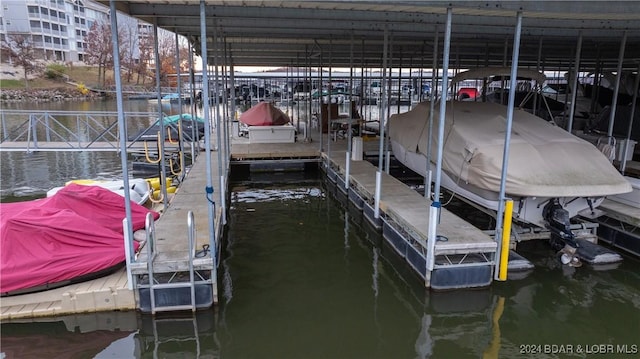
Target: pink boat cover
(264, 114)
(74, 233)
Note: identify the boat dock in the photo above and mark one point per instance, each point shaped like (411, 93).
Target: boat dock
(115, 292)
(464, 255)
(619, 226)
(183, 276)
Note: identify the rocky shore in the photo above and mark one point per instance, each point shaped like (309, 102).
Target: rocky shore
(46, 95)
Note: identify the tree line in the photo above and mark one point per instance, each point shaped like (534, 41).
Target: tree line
(136, 52)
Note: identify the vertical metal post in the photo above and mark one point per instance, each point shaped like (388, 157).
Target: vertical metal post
(387, 108)
(574, 83)
(349, 139)
(535, 97)
(309, 87)
(362, 89)
(128, 251)
(207, 134)
(320, 122)
(432, 107)
(221, 173)
(329, 104)
(179, 90)
(434, 209)
(376, 208)
(122, 127)
(507, 139)
(225, 119)
(194, 133)
(234, 110)
(616, 90)
(163, 173)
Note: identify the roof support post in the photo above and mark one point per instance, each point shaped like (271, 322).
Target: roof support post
(320, 122)
(535, 97)
(232, 87)
(350, 87)
(228, 89)
(574, 84)
(329, 104)
(219, 127)
(179, 90)
(616, 90)
(387, 107)
(507, 139)
(435, 208)
(163, 133)
(382, 118)
(122, 130)
(432, 106)
(206, 110)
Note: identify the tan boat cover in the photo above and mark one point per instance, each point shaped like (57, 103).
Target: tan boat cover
(544, 160)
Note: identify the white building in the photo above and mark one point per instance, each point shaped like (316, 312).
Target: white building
(58, 28)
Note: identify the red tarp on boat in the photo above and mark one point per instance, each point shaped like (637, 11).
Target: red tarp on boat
(72, 234)
(264, 114)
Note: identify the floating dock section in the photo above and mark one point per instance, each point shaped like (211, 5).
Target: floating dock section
(619, 226)
(464, 255)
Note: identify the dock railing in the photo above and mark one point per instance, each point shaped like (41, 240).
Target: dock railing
(68, 130)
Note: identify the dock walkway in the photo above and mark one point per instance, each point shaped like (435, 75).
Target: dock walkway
(111, 292)
(405, 214)
(403, 210)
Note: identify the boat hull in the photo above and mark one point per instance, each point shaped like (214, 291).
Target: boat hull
(525, 209)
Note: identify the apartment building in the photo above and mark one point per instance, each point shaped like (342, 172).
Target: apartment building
(58, 28)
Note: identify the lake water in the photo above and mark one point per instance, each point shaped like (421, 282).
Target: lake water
(303, 276)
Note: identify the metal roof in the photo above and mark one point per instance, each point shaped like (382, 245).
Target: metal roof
(290, 33)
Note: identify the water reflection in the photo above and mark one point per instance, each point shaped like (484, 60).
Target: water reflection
(304, 276)
(112, 335)
(31, 175)
(76, 336)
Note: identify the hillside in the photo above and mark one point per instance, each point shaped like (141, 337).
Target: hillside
(12, 78)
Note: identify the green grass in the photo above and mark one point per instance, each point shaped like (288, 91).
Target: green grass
(12, 84)
(87, 75)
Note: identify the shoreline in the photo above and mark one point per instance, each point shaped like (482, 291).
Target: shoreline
(45, 95)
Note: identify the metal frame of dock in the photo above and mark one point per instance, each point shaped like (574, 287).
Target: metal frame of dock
(464, 255)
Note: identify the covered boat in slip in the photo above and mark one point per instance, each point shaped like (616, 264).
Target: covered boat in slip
(185, 124)
(72, 236)
(552, 175)
(265, 123)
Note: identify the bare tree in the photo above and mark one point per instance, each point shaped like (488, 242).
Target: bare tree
(167, 55)
(128, 32)
(145, 46)
(21, 50)
(100, 48)
(100, 51)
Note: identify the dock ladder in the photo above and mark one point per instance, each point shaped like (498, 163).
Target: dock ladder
(171, 284)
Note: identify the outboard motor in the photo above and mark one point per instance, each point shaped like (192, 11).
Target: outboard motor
(562, 238)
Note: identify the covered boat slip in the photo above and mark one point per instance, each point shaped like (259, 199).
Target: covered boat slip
(464, 255)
